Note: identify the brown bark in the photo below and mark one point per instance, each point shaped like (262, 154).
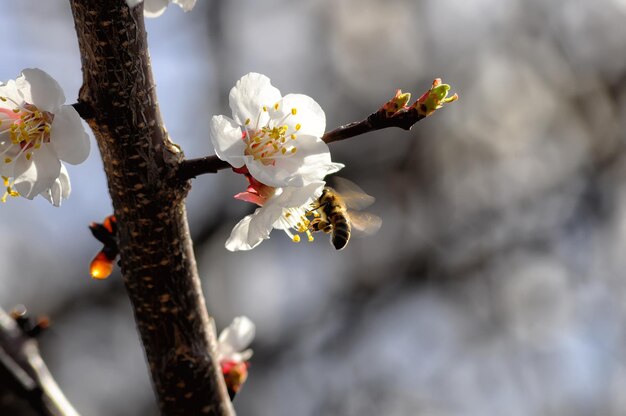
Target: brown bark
(118, 101)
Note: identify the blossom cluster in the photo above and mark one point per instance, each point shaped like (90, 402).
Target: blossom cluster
(37, 133)
(276, 142)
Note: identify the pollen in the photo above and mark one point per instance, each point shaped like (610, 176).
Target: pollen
(27, 128)
(10, 192)
(265, 142)
(294, 111)
(296, 239)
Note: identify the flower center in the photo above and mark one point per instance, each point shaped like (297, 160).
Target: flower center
(26, 127)
(295, 221)
(266, 143)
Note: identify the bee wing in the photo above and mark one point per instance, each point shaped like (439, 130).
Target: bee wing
(352, 195)
(364, 223)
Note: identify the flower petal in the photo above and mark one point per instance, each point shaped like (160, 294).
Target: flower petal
(309, 115)
(296, 197)
(154, 8)
(186, 5)
(238, 336)
(225, 135)
(68, 137)
(60, 189)
(310, 163)
(249, 95)
(38, 88)
(40, 173)
(9, 90)
(253, 229)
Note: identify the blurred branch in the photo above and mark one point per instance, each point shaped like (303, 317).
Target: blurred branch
(23, 372)
(119, 102)
(394, 113)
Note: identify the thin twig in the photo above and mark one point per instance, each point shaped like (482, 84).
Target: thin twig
(25, 372)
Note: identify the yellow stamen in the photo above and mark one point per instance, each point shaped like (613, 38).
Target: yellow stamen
(298, 126)
(276, 106)
(294, 111)
(296, 239)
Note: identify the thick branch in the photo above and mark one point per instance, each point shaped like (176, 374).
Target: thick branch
(376, 121)
(23, 372)
(119, 103)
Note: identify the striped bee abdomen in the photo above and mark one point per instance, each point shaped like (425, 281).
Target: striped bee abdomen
(341, 229)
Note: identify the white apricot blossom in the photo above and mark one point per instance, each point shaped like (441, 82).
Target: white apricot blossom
(233, 353)
(233, 342)
(36, 132)
(277, 138)
(286, 210)
(155, 8)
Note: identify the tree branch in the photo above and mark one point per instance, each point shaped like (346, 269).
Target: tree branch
(404, 118)
(192, 168)
(118, 101)
(23, 371)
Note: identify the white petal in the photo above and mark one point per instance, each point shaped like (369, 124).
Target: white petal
(60, 189)
(249, 95)
(239, 334)
(187, 5)
(253, 229)
(9, 90)
(133, 3)
(39, 175)
(154, 8)
(40, 89)
(310, 163)
(296, 197)
(68, 137)
(242, 238)
(309, 114)
(226, 138)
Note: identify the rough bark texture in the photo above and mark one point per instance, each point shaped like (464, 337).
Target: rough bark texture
(119, 102)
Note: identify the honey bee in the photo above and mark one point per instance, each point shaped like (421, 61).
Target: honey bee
(334, 213)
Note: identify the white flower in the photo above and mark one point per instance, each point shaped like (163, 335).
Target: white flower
(155, 8)
(36, 132)
(277, 138)
(286, 210)
(60, 189)
(233, 341)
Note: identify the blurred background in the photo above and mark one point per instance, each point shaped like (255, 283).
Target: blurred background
(496, 283)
